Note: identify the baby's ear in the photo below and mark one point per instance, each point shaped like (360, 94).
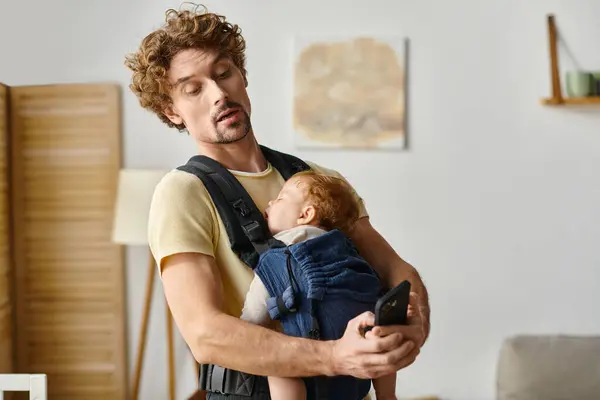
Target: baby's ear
(308, 216)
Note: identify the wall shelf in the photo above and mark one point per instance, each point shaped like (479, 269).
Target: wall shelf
(571, 101)
(557, 98)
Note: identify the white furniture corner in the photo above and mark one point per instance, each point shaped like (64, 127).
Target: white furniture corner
(35, 384)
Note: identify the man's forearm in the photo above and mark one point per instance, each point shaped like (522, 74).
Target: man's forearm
(194, 292)
(404, 271)
(243, 346)
(389, 265)
(417, 286)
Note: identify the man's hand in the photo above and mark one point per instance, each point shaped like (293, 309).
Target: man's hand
(417, 317)
(371, 356)
(414, 332)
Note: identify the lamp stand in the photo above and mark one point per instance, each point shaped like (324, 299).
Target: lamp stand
(143, 334)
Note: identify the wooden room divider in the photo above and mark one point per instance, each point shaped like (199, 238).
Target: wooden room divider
(6, 325)
(67, 278)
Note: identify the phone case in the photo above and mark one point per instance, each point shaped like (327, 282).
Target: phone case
(392, 307)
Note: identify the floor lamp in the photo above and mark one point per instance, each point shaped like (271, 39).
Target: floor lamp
(132, 206)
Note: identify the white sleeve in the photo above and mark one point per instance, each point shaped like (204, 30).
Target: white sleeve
(255, 306)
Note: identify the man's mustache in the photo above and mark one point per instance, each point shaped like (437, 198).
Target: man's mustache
(227, 105)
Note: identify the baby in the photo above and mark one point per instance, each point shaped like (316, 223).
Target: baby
(316, 281)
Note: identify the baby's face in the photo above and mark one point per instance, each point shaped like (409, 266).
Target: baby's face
(290, 208)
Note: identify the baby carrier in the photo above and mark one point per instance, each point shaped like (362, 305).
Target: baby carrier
(250, 239)
(316, 287)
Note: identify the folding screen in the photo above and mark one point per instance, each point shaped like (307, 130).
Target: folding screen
(6, 344)
(68, 277)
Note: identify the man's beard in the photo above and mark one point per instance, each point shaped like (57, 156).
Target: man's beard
(234, 132)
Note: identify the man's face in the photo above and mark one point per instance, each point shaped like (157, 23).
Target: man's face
(209, 96)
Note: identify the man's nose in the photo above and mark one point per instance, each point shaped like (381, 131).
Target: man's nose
(218, 94)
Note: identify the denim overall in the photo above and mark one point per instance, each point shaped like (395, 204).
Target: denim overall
(316, 287)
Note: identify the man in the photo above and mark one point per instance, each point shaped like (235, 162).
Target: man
(191, 73)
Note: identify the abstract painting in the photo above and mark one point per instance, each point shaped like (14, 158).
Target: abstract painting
(349, 92)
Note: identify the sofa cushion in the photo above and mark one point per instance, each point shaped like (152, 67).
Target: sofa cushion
(551, 367)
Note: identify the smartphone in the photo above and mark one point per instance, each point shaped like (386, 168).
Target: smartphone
(392, 307)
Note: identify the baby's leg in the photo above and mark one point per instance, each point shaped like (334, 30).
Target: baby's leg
(287, 388)
(385, 387)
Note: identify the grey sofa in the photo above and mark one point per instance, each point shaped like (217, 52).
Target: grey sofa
(551, 367)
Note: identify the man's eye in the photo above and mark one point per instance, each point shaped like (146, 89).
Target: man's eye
(225, 74)
(193, 90)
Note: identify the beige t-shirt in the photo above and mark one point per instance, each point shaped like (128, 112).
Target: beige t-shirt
(183, 219)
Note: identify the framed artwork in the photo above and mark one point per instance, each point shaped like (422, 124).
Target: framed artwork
(349, 92)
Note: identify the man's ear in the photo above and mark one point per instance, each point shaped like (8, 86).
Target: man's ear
(307, 216)
(172, 115)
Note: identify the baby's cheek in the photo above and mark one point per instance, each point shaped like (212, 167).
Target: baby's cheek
(270, 225)
(274, 225)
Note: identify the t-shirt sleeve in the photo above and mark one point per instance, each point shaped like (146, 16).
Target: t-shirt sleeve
(182, 218)
(255, 307)
(326, 171)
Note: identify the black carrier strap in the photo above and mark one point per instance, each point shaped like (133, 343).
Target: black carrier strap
(286, 164)
(245, 228)
(245, 224)
(216, 379)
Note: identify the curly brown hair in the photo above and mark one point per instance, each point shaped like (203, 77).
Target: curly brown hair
(333, 199)
(184, 29)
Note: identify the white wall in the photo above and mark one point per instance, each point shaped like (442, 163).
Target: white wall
(496, 202)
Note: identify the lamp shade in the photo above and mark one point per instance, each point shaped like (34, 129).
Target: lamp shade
(132, 205)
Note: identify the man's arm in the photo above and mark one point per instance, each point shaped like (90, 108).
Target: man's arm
(194, 293)
(391, 268)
